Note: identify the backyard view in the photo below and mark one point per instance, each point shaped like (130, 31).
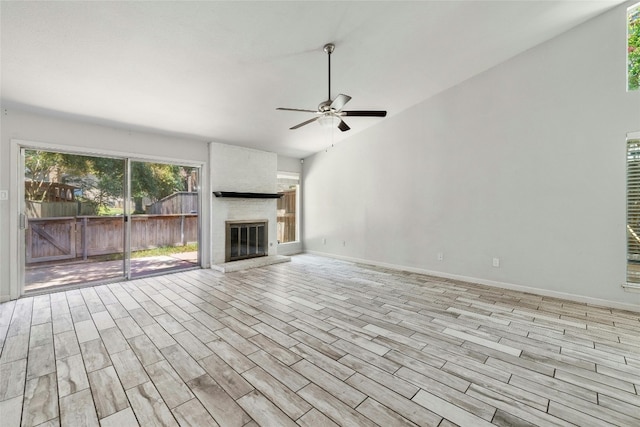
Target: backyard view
(77, 229)
(633, 47)
(288, 185)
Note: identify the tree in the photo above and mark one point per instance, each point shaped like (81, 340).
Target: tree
(45, 167)
(633, 48)
(100, 178)
(155, 181)
(39, 167)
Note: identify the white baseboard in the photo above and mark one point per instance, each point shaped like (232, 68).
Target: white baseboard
(492, 283)
(291, 248)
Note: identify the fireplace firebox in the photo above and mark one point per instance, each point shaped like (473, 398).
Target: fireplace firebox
(246, 239)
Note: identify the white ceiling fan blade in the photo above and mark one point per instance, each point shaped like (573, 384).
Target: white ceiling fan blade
(339, 102)
(305, 123)
(296, 109)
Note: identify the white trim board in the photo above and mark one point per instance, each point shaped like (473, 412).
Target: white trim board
(502, 285)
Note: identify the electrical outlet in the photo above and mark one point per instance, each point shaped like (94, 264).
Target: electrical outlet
(440, 256)
(496, 262)
(4, 195)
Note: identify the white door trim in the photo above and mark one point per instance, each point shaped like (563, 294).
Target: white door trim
(16, 243)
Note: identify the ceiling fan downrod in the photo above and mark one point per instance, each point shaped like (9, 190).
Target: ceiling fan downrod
(329, 48)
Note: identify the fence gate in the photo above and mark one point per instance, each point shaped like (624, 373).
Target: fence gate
(51, 239)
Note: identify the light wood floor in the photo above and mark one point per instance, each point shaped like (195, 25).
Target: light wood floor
(314, 342)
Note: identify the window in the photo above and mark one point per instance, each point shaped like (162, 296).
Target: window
(288, 206)
(633, 210)
(633, 47)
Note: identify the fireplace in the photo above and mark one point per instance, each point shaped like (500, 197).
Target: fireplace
(246, 239)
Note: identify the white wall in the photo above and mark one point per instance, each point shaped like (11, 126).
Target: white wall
(241, 170)
(525, 162)
(289, 164)
(18, 125)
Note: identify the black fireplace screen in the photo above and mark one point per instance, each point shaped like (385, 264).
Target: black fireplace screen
(245, 240)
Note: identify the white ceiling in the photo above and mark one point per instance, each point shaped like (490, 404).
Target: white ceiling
(216, 71)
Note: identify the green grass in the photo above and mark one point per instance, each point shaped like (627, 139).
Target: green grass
(165, 250)
(162, 250)
(107, 211)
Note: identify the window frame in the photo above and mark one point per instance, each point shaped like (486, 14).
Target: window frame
(632, 187)
(293, 176)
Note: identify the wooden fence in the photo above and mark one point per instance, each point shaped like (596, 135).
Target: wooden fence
(80, 237)
(57, 209)
(286, 216)
(182, 202)
(286, 228)
(50, 191)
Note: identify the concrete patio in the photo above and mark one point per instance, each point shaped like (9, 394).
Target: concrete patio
(41, 277)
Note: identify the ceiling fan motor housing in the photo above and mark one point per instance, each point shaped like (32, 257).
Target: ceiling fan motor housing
(325, 107)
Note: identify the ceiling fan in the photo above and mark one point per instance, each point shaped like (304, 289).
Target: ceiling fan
(330, 112)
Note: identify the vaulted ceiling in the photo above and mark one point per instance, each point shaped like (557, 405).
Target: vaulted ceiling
(216, 71)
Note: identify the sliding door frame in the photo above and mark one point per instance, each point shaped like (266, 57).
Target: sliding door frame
(17, 253)
(128, 209)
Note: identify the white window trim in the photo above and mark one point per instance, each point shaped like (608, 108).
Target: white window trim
(627, 286)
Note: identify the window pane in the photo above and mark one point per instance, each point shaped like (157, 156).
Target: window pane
(76, 228)
(633, 47)
(288, 185)
(633, 211)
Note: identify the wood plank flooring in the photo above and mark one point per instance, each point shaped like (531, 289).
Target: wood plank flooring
(314, 342)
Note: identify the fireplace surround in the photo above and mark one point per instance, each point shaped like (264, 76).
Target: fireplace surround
(246, 239)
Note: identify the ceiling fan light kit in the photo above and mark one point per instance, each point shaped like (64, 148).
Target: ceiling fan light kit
(329, 113)
(328, 121)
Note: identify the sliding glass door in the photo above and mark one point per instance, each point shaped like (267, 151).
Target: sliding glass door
(73, 218)
(164, 218)
(88, 219)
